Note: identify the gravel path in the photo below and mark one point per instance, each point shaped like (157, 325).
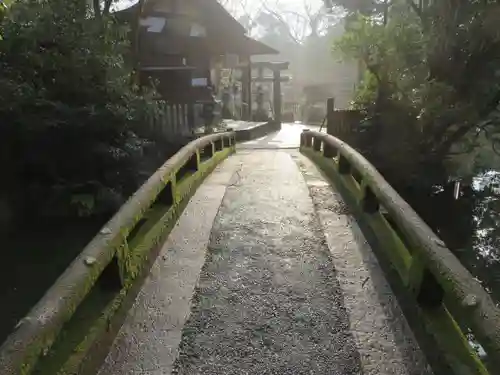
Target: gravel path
(383, 337)
(150, 336)
(268, 300)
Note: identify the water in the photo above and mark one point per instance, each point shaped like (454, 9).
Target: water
(468, 222)
(485, 242)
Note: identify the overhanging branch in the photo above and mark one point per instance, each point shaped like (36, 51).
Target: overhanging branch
(107, 7)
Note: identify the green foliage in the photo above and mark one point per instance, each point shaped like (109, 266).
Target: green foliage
(432, 82)
(366, 91)
(69, 112)
(4, 6)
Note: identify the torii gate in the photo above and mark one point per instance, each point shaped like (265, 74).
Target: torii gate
(276, 79)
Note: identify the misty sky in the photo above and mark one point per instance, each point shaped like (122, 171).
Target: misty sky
(252, 5)
(276, 5)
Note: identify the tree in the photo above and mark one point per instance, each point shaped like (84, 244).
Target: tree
(432, 69)
(4, 6)
(102, 8)
(293, 22)
(69, 136)
(301, 31)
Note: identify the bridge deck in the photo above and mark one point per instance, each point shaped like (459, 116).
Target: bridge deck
(265, 273)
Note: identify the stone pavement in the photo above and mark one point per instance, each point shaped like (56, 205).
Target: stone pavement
(268, 301)
(241, 125)
(265, 273)
(288, 137)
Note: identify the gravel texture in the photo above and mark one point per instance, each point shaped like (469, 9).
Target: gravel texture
(288, 284)
(384, 339)
(148, 341)
(268, 300)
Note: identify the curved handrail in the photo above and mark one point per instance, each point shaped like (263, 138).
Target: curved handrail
(464, 294)
(36, 333)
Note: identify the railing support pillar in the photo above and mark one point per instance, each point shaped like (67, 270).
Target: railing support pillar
(328, 150)
(317, 144)
(305, 138)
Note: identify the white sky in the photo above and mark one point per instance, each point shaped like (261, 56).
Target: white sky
(292, 12)
(288, 9)
(123, 4)
(252, 6)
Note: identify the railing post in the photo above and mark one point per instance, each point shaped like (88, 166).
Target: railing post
(198, 159)
(328, 150)
(308, 139)
(317, 144)
(305, 138)
(230, 138)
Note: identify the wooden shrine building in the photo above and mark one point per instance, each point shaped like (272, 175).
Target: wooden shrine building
(183, 43)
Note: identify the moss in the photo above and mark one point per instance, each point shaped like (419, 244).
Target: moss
(438, 322)
(455, 346)
(90, 320)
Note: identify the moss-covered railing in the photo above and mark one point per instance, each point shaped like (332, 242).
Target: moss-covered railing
(454, 307)
(72, 326)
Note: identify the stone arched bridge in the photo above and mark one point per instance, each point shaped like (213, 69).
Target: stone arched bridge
(262, 258)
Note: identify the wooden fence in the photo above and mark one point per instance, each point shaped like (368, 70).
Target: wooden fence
(173, 119)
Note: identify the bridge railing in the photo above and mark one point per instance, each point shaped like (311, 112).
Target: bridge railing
(66, 331)
(454, 306)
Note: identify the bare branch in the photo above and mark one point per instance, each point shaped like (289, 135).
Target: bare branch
(107, 7)
(240, 10)
(293, 24)
(419, 11)
(279, 18)
(415, 8)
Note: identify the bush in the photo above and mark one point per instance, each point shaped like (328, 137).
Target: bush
(69, 111)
